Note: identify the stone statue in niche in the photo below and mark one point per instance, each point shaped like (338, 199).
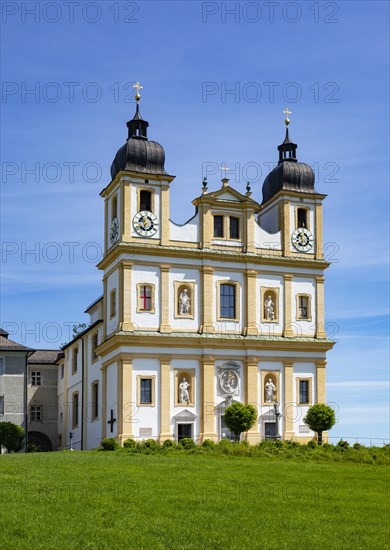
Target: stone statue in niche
(184, 302)
(184, 394)
(269, 311)
(270, 391)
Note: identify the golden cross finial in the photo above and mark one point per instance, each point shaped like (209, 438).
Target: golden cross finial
(287, 112)
(138, 87)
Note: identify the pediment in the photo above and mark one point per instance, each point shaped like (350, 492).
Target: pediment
(185, 415)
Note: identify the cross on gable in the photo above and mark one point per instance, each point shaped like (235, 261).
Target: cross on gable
(112, 420)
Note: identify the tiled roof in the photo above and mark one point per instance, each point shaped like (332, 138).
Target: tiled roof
(49, 356)
(10, 345)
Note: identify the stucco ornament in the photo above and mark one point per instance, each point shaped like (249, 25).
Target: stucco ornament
(228, 381)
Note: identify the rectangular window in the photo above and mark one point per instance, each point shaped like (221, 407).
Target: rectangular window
(2, 365)
(36, 413)
(304, 391)
(62, 370)
(234, 228)
(145, 391)
(1, 405)
(95, 343)
(145, 298)
(302, 217)
(95, 400)
(145, 201)
(113, 303)
(218, 226)
(74, 360)
(35, 378)
(228, 301)
(303, 307)
(114, 207)
(75, 410)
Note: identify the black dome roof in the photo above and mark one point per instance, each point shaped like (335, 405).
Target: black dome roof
(139, 154)
(289, 174)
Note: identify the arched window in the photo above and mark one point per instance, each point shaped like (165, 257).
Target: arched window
(75, 410)
(145, 200)
(302, 217)
(95, 400)
(114, 207)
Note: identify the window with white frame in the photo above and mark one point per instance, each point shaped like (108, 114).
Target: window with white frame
(36, 378)
(36, 413)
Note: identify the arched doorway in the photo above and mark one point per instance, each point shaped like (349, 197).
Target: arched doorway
(38, 442)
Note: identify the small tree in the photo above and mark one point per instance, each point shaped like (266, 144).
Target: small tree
(320, 418)
(240, 418)
(11, 436)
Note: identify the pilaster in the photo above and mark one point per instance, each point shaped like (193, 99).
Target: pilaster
(165, 400)
(164, 227)
(125, 404)
(286, 229)
(125, 296)
(320, 312)
(288, 329)
(164, 290)
(208, 301)
(288, 400)
(251, 303)
(318, 232)
(321, 381)
(208, 400)
(252, 395)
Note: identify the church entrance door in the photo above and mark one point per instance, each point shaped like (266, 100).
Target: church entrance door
(270, 430)
(184, 430)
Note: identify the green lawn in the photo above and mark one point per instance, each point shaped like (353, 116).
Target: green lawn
(115, 500)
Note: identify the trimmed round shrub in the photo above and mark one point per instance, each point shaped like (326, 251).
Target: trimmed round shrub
(187, 443)
(312, 444)
(357, 446)
(109, 444)
(169, 443)
(130, 443)
(150, 443)
(343, 444)
(208, 444)
(11, 436)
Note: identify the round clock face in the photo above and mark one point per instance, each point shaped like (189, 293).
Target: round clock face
(302, 239)
(145, 223)
(114, 231)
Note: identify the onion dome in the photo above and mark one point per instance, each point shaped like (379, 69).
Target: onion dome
(289, 174)
(139, 154)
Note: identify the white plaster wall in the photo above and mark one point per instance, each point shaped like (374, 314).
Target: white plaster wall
(184, 364)
(94, 427)
(134, 206)
(226, 325)
(112, 398)
(270, 281)
(302, 285)
(68, 406)
(112, 283)
(184, 275)
(146, 416)
(263, 239)
(269, 219)
(303, 370)
(96, 313)
(189, 232)
(151, 275)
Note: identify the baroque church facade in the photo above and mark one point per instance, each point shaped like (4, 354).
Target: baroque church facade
(227, 307)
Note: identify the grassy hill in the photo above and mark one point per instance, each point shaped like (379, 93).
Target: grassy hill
(122, 500)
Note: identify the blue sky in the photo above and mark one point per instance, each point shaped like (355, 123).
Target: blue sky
(326, 61)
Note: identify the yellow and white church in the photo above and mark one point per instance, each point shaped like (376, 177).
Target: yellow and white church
(227, 307)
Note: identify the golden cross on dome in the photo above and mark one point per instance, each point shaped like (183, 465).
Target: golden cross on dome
(287, 112)
(138, 87)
